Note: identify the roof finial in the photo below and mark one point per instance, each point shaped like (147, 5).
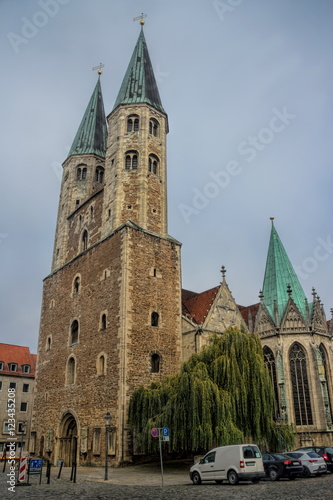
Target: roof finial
(289, 290)
(272, 218)
(141, 19)
(223, 271)
(99, 67)
(261, 295)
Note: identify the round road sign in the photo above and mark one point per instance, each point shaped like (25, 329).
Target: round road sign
(154, 432)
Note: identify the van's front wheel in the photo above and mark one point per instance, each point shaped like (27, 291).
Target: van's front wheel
(196, 478)
(232, 477)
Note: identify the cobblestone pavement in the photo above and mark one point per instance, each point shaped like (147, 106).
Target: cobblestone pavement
(145, 483)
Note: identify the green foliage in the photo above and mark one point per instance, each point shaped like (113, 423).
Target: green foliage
(223, 395)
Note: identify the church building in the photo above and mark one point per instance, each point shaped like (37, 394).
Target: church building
(114, 316)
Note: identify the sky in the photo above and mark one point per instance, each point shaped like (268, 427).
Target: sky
(247, 85)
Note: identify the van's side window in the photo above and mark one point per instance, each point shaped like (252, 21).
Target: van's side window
(209, 458)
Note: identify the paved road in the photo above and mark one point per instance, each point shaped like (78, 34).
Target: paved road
(144, 483)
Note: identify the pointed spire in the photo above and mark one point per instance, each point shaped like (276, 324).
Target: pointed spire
(91, 135)
(280, 279)
(139, 84)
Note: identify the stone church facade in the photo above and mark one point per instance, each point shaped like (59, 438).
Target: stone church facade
(114, 316)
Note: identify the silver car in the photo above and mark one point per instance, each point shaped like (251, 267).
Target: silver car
(311, 461)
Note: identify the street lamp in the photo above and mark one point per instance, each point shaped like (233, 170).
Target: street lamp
(107, 430)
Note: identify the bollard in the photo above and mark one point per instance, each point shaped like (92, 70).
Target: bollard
(60, 468)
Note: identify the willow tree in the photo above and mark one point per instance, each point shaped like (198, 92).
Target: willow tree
(223, 395)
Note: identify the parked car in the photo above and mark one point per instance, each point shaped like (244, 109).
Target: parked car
(311, 461)
(323, 451)
(279, 465)
(238, 462)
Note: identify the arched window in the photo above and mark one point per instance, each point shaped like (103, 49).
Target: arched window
(153, 163)
(155, 363)
(103, 322)
(71, 371)
(48, 343)
(84, 240)
(133, 123)
(270, 365)
(74, 332)
(99, 174)
(300, 385)
(76, 285)
(154, 127)
(154, 318)
(131, 160)
(81, 172)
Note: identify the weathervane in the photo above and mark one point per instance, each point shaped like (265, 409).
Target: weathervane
(99, 68)
(140, 17)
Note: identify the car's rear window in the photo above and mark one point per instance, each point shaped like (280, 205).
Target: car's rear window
(329, 450)
(312, 454)
(251, 452)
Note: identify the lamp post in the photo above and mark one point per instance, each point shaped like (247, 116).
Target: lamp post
(107, 430)
(279, 422)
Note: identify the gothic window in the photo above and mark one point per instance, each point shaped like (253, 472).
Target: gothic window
(84, 173)
(84, 240)
(155, 363)
(99, 174)
(71, 371)
(300, 385)
(78, 173)
(154, 319)
(270, 365)
(48, 343)
(131, 160)
(76, 285)
(153, 163)
(154, 127)
(133, 123)
(74, 332)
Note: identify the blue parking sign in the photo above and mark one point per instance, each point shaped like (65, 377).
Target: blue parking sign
(165, 431)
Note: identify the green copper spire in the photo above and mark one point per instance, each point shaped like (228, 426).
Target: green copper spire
(279, 273)
(92, 133)
(139, 84)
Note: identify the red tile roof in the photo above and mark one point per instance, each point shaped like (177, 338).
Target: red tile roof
(197, 305)
(249, 311)
(21, 356)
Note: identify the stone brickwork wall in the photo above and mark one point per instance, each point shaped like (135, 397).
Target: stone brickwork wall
(74, 192)
(126, 277)
(136, 194)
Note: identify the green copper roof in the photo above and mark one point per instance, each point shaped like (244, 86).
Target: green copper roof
(139, 84)
(279, 273)
(92, 133)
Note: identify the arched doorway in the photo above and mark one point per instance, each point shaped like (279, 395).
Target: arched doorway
(68, 440)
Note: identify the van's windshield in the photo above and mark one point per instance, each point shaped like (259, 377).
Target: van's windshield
(251, 452)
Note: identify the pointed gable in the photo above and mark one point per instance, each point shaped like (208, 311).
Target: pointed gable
(279, 273)
(293, 320)
(139, 84)
(92, 133)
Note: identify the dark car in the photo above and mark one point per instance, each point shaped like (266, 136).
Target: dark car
(323, 451)
(278, 465)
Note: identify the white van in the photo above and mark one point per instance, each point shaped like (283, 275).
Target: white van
(237, 462)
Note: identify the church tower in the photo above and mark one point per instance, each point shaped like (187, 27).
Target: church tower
(297, 348)
(111, 311)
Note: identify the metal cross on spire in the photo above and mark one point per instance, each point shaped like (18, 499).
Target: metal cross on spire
(141, 18)
(99, 67)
